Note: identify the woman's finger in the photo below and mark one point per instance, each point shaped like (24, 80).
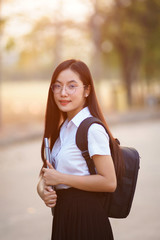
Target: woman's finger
(51, 205)
(49, 165)
(43, 170)
(49, 189)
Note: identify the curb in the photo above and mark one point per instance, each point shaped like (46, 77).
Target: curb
(21, 134)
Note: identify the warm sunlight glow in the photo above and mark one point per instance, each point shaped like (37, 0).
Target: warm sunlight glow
(21, 15)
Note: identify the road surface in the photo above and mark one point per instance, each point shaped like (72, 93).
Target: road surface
(24, 216)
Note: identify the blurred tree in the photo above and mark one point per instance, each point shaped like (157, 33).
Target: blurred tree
(151, 60)
(1, 22)
(125, 28)
(96, 20)
(48, 39)
(35, 44)
(130, 26)
(47, 45)
(95, 23)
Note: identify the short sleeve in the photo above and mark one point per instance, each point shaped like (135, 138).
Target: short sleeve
(98, 140)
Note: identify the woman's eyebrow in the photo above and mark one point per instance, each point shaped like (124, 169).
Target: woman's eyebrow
(70, 81)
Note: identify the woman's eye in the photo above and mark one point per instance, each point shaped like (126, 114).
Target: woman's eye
(57, 86)
(71, 86)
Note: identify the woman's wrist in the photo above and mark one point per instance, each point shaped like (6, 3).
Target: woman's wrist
(69, 180)
(62, 178)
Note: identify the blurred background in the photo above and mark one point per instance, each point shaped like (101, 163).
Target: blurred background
(119, 41)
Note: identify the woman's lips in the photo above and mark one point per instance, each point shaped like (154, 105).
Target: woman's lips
(64, 102)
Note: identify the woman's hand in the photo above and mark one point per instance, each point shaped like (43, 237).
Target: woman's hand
(47, 193)
(51, 177)
(49, 196)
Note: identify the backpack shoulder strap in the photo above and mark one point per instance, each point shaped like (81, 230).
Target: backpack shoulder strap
(82, 140)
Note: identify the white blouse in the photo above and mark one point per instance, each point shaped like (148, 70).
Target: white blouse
(65, 154)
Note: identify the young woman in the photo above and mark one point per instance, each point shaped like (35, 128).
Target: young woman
(77, 195)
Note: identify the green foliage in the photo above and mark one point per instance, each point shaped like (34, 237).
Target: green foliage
(151, 60)
(133, 26)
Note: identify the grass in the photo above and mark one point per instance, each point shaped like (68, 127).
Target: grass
(23, 101)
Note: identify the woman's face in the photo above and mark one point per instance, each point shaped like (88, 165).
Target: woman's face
(69, 93)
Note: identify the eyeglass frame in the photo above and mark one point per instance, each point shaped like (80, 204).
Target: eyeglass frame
(64, 87)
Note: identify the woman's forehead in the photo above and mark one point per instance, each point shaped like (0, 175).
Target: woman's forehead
(68, 75)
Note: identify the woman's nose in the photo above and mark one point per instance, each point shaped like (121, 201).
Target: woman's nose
(63, 91)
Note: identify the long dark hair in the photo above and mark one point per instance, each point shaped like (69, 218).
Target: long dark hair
(54, 117)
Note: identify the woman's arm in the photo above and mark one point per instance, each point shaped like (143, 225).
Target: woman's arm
(103, 181)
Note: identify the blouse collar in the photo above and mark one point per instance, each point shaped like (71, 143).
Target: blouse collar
(79, 117)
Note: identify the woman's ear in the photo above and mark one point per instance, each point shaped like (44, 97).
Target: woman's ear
(87, 91)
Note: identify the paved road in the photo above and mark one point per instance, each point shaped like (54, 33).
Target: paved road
(24, 216)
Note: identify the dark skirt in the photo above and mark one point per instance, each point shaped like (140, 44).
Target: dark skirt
(79, 215)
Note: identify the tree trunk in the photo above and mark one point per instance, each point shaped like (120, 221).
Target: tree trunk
(130, 70)
(95, 24)
(58, 35)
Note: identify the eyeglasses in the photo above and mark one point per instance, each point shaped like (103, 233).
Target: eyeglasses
(69, 88)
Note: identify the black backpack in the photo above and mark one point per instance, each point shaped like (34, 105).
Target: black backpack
(120, 201)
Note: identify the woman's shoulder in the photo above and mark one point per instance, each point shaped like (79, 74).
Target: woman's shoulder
(98, 140)
(96, 128)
